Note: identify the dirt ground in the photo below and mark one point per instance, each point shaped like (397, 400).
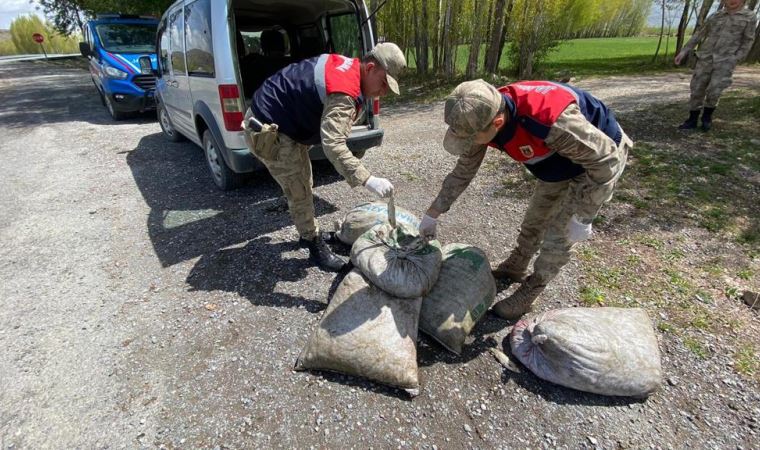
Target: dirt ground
(143, 308)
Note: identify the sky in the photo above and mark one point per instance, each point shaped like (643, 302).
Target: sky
(10, 9)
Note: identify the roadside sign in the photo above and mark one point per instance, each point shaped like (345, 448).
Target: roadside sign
(38, 38)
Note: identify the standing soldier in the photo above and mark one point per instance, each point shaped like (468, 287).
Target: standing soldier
(316, 100)
(724, 39)
(567, 138)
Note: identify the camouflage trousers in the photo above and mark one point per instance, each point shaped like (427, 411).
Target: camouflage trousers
(708, 82)
(289, 164)
(544, 228)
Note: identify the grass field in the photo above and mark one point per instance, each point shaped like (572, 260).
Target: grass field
(576, 58)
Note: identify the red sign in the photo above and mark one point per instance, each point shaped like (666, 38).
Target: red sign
(38, 38)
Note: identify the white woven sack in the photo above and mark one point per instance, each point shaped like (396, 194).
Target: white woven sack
(608, 351)
(367, 333)
(397, 260)
(365, 216)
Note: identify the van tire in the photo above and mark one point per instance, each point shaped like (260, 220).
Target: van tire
(170, 133)
(224, 178)
(115, 115)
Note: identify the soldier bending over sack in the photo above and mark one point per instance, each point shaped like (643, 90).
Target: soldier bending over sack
(566, 137)
(316, 100)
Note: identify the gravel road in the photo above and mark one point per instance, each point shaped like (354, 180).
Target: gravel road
(142, 308)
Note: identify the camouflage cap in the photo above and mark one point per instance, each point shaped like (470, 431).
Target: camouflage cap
(393, 61)
(469, 108)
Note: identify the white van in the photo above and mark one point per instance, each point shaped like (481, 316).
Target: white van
(213, 55)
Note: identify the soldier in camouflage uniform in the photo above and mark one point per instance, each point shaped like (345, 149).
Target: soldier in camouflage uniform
(724, 40)
(567, 138)
(316, 101)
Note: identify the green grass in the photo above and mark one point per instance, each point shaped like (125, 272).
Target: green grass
(747, 361)
(696, 347)
(573, 58)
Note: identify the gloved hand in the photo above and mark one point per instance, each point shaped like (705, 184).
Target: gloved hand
(428, 226)
(578, 231)
(379, 186)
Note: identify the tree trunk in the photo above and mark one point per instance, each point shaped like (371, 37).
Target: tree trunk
(446, 42)
(492, 54)
(662, 31)
(754, 52)
(417, 39)
(703, 12)
(504, 31)
(477, 35)
(682, 25)
(425, 39)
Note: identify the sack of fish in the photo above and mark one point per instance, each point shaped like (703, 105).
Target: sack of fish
(402, 282)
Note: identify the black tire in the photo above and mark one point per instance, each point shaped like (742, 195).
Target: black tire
(224, 178)
(115, 115)
(170, 133)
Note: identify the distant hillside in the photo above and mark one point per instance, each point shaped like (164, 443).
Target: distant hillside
(5, 35)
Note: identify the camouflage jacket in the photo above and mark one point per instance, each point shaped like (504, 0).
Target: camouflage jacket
(337, 118)
(725, 37)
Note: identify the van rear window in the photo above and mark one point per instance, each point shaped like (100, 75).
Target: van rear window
(198, 44)
(127, 37)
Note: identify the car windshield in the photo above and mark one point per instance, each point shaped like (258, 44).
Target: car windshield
(128, 37)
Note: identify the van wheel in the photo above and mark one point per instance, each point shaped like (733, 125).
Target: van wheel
(115, 115)
(170, 133)
(224, 178)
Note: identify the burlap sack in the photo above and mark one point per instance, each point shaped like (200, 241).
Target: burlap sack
(608, 351)
(366, 333)
(397, 260)
(365, 216)
(463, 293)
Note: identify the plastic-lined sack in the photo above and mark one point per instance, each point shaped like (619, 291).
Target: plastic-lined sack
(365, 216)
(463, 293)
(608, 351)
(398, 260)
(365, 332)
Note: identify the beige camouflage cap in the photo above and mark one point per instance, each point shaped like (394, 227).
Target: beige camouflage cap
(469, 108)
(392, 59)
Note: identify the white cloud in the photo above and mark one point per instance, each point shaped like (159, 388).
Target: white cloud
(10, 9)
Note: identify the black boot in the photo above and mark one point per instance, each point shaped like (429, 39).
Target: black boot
(691, 122)
(707, 118)
(321, 254)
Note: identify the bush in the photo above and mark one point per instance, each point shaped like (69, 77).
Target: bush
(23, 27)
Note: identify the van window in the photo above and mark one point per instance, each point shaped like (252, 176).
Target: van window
(163, 51)
(198, 45)
(176, 36)
(344, 33)
(127, 37)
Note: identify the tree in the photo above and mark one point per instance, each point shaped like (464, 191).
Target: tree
(472, 61)
(682, 25)
(67, 15)
(497, 36)
(24, 27)
(754, 53)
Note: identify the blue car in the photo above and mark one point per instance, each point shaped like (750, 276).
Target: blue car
(122, 54)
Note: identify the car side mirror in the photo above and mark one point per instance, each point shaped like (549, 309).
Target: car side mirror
(146, 68)
(84, 49)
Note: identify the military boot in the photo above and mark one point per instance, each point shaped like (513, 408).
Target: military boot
(691, 122)
(707, 118)
(519, 303)
(514, 268)
(321, 255)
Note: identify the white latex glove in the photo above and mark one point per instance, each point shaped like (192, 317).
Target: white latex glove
(379, 186)
(428, 226)
(578, 231)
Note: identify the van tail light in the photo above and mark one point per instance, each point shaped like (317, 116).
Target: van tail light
(376, 106)
(232, 107)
